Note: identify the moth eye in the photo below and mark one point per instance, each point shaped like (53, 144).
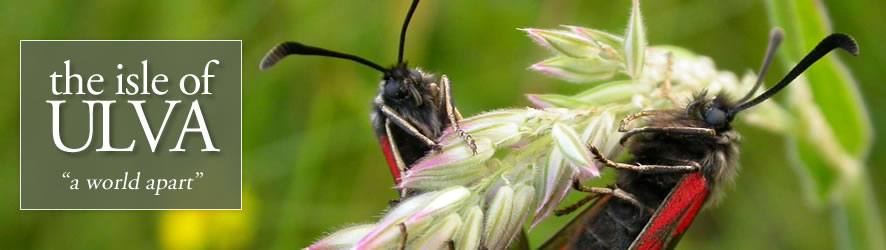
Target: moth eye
(393, 90)
(715, 116)
(415, 75)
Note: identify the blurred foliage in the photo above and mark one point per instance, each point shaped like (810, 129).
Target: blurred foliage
(311, 162)
(833, 135)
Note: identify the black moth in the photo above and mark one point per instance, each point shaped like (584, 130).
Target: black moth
(412, 107)
(678, 160)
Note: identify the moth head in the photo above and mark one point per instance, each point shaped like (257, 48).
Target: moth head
(402, 85)
(711, 110)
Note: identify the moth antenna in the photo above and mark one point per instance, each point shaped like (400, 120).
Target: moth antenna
(775, 37)
(403, 30)
(293, 48)
(833, 41)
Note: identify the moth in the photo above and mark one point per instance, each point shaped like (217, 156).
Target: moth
(679, 159)
(411, 110)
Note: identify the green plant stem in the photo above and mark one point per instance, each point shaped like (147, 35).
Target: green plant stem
(856, 219)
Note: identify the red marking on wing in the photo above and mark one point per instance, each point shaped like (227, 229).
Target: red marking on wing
(389, 155)
(676, 213)
(700, 193)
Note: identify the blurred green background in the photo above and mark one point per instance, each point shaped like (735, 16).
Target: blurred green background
(311, 161)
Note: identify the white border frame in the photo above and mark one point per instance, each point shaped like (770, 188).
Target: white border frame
(119, 209)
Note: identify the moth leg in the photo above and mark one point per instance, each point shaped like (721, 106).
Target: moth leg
(395, 118)
(615, 192)
(398, 159)
(394, 202)
(666, 86)
(450, 244)
(668, 130)
(623, 124)
(454, 115)
(571, 208)
(402, 239)
(647, 169)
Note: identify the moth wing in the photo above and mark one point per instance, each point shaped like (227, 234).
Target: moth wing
(392, 153)
(576, 226)
(674, 215)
